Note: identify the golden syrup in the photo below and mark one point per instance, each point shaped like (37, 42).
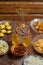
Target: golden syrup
(26, 41)
(15, 39)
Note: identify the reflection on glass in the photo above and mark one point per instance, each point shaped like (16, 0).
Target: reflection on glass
(26, 41)
(15, 39)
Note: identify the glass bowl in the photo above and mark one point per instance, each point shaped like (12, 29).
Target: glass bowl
(33, 22)
(36, 38)
(18, 39)
(31, 60)
(7, 36)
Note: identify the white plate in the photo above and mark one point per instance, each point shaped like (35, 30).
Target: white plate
(31, 60)
(6, 44)
(33, 22)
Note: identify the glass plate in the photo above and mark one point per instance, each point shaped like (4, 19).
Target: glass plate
(33, 22)
(11, 23)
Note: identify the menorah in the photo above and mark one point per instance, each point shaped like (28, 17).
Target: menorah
(22, 13)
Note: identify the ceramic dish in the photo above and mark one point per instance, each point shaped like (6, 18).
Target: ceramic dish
(40, 39)
(4, 47)
(33, 60)
(33, 22)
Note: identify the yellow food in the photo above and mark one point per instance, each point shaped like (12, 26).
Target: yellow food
(5, 28)
(3, 31)
(1, 34)
(39, 26)
(6, 24)
(22, 25)
(38, 45)
(15, 39)
(8, 27)
(8, 32)
(2, 26)
(26, 41)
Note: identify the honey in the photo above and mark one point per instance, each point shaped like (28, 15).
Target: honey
(26, 41)
(15, 39)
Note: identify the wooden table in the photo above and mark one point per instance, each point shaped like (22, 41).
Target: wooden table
(8, 12)
(9, 59)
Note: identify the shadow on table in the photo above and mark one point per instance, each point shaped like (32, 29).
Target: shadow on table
(11, 56)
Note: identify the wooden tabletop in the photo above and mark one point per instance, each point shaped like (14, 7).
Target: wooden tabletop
(8, 12)
(33, 10)
(9, 59)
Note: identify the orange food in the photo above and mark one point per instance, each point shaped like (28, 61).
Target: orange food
(38, 45)
(39, 26)
(18, 50)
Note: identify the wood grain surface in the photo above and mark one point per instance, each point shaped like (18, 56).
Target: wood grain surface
(33, 10)
(30, 7)
(22, 0)
(15, 17)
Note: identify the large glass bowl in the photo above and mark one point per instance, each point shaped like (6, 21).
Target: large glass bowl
(36, 38)
(33, 22)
